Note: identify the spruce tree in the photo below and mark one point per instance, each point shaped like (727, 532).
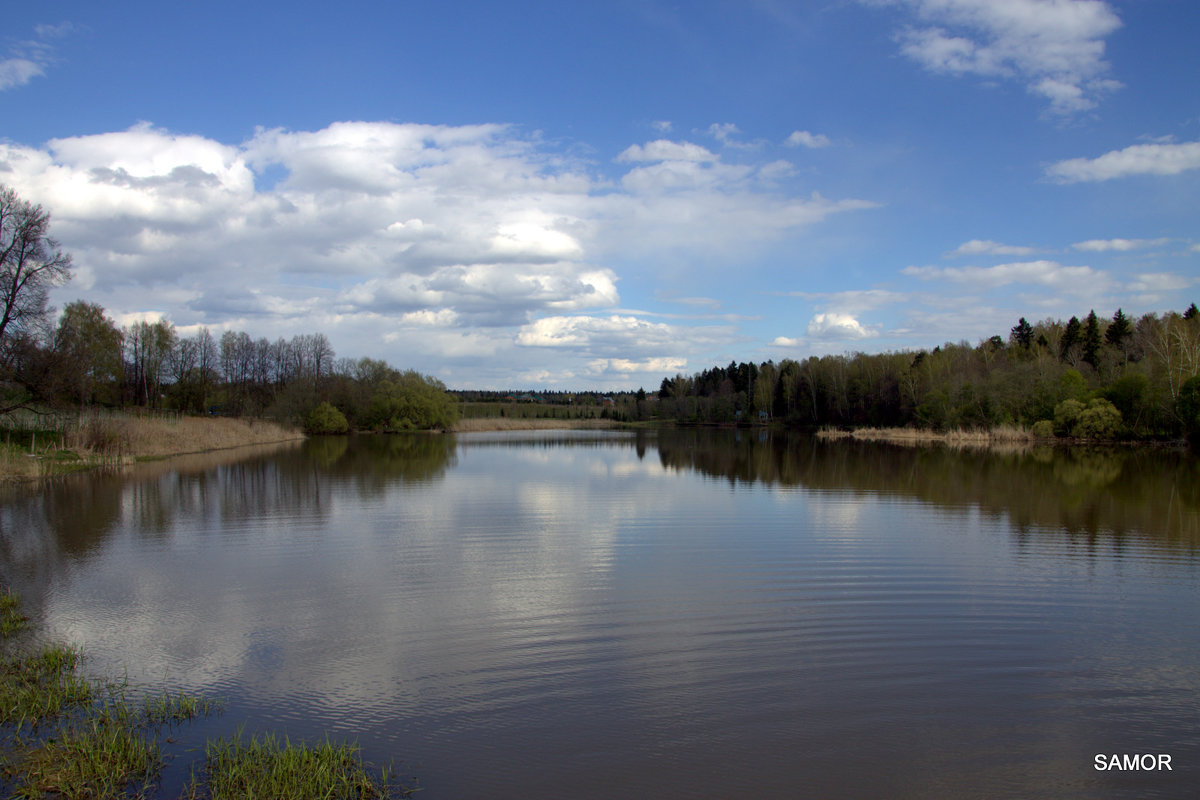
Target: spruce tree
(1070, 337)
(1091, 340)
(1118, 330)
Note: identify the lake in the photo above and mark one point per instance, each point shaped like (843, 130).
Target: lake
(675, 614)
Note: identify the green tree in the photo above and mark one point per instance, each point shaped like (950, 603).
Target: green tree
(411, 401)
(1187, 406)
(88, 345)
(325, 419)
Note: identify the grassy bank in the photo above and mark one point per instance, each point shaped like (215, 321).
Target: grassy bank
(65, 735)
(43, 446)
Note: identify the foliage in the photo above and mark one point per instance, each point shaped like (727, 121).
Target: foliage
(325, 419)
(1139, 370)
(1099, 420)
(1043, 429)
(410, 401)
(1188, 405)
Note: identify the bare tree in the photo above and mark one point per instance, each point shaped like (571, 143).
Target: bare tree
(30, 264)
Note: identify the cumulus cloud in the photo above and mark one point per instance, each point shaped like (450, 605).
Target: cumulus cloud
(979, 247)
(837, 326)
(1055, 47)
(806, 139)
(422, 237)
(1138, 159)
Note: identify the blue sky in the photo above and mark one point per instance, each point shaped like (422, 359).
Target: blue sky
(602, 194)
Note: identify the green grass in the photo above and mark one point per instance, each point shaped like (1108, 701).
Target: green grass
(266, 769)
(98, 758)
(165, 708)
(41, 686)
(12, 621)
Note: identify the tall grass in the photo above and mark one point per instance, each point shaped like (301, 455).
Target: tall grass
(102, 438)
(267, 768)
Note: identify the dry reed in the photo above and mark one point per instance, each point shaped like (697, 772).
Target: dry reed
(1002, 435)
(477, 424)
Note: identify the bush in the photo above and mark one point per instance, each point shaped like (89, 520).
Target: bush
(1066, 415)
(1043, 429)
(325, 419)
(1100, 420)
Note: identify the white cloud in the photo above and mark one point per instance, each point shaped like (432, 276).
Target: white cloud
(1040, 273)
(666, 150)
(1120, 245)
(1138, 159)
(837, 326)
(18, 72)
(28, 59)
(433, 240)
(785, 341)
(979, 247)
(806, 139)
(624, 367)
(586, 332)
(1155, 282)
(855, 301)
(1056, 47)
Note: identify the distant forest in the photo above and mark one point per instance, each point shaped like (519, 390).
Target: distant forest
(1092, 378)
(1095, 378)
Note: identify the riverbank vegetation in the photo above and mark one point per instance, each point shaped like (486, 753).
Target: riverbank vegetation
(1095, 379)
(38, 445)
(63, 734)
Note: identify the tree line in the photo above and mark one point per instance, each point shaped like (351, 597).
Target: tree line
(1098, 378)
(83, 357)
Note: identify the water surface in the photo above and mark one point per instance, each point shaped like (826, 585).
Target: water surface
(684, 614)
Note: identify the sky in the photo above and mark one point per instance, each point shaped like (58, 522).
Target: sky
(600, 194)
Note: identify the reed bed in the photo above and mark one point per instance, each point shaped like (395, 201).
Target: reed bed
(1003, 435)
(477, 424)
(107, 439)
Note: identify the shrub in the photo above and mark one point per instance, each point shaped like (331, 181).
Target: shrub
(1043, 429)
(325, 419)
(1100, 420)
(1066, 415)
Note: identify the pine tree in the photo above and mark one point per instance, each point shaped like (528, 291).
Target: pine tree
(1022, 333)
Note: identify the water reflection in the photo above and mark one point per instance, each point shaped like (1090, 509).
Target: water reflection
(718, 613)
(1151, 492)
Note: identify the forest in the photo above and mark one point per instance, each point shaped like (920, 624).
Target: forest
(1093, 378)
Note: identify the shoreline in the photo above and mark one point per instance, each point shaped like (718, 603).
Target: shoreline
(120, 440)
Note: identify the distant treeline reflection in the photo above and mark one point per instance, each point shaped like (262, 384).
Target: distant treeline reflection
(1151, 492)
